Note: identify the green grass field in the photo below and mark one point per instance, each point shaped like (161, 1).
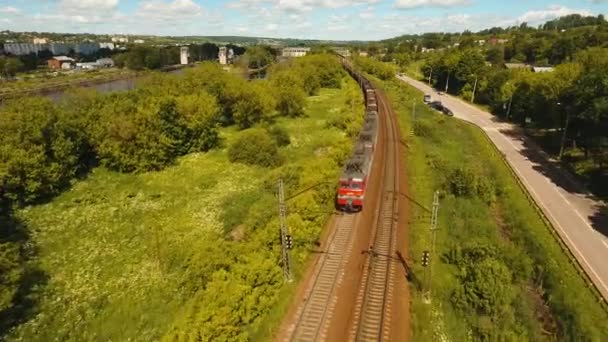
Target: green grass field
(190, 251)
(498, 274)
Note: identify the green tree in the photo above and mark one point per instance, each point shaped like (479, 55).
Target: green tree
(258, 56)
(255, 147)
(10, 66)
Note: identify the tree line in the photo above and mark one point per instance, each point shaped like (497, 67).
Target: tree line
(47, 145)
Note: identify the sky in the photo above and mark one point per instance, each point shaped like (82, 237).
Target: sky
(310, 19)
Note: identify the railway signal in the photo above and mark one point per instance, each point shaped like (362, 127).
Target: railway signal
(286, 260)
(288, 242)
(425, 258)
(428, 271)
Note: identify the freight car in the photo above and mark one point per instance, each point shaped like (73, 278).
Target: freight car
(354, 179)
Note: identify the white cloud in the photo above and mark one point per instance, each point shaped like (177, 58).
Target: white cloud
(552, 12)
(10, 10)
(367, 14)
(459, 19)
(88, 6)
(307, 5)
(407, 4)
(271, 27)
(248, 4)
(176, 9)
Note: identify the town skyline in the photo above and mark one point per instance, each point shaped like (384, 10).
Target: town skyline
(299, 19)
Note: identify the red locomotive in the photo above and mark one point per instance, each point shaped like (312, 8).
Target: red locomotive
(355, 176)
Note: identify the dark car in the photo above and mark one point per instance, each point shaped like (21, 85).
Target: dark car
(447, 111)
(436, 105)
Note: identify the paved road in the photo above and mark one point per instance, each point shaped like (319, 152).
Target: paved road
(572, 211)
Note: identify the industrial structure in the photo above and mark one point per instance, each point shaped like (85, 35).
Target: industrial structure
(183, 55)
(20, 49)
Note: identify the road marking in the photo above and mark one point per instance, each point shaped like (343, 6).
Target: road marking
(605, 243)
(565, 234)
(575, 210)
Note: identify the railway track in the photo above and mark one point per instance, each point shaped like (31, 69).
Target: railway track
(372, 317)
(315, 313)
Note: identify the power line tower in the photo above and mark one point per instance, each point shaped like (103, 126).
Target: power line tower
(286, 241)
(426, 255)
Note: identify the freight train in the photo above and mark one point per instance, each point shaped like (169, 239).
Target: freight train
(354, 179)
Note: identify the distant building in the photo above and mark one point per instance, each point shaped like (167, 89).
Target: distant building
(120, 39)
(542, 69)
(497, 41)
(105, 62)
(295, 51)
(342, 52)
(516, 66)
(363, 53)
(138, 41)
(60, 62)
(481, 42)
(20, 49)
(183, 54)
(40, 41)
(57, 49)
(85, 48)
(109, 46)
(87, 65)
(223, 55)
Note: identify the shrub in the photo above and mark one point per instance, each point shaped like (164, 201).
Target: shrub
(255, 147)
(280, 135)
(41, 149)
(423, 129)
(470, 182)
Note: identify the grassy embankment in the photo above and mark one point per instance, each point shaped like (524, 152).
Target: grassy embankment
(499, 273)
(191, 251)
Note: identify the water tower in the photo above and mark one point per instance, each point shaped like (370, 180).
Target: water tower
(183, 54)
(223, 55)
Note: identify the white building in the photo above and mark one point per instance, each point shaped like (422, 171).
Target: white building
(223, 55)
(138, 41)
(87, 65)
(109, 46)
(542, 69)
(105, 62)
(40, 41)
(183, 55)
(120, 39)
(295, 51)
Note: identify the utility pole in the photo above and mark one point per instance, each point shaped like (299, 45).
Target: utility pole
(564, 134)
(428, 257)
(285, 237)
(414, 111)
(474, 88)
(509, 109)
(446, 83)
(430, 74)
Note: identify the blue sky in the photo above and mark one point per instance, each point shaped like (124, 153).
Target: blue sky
(315, 19)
